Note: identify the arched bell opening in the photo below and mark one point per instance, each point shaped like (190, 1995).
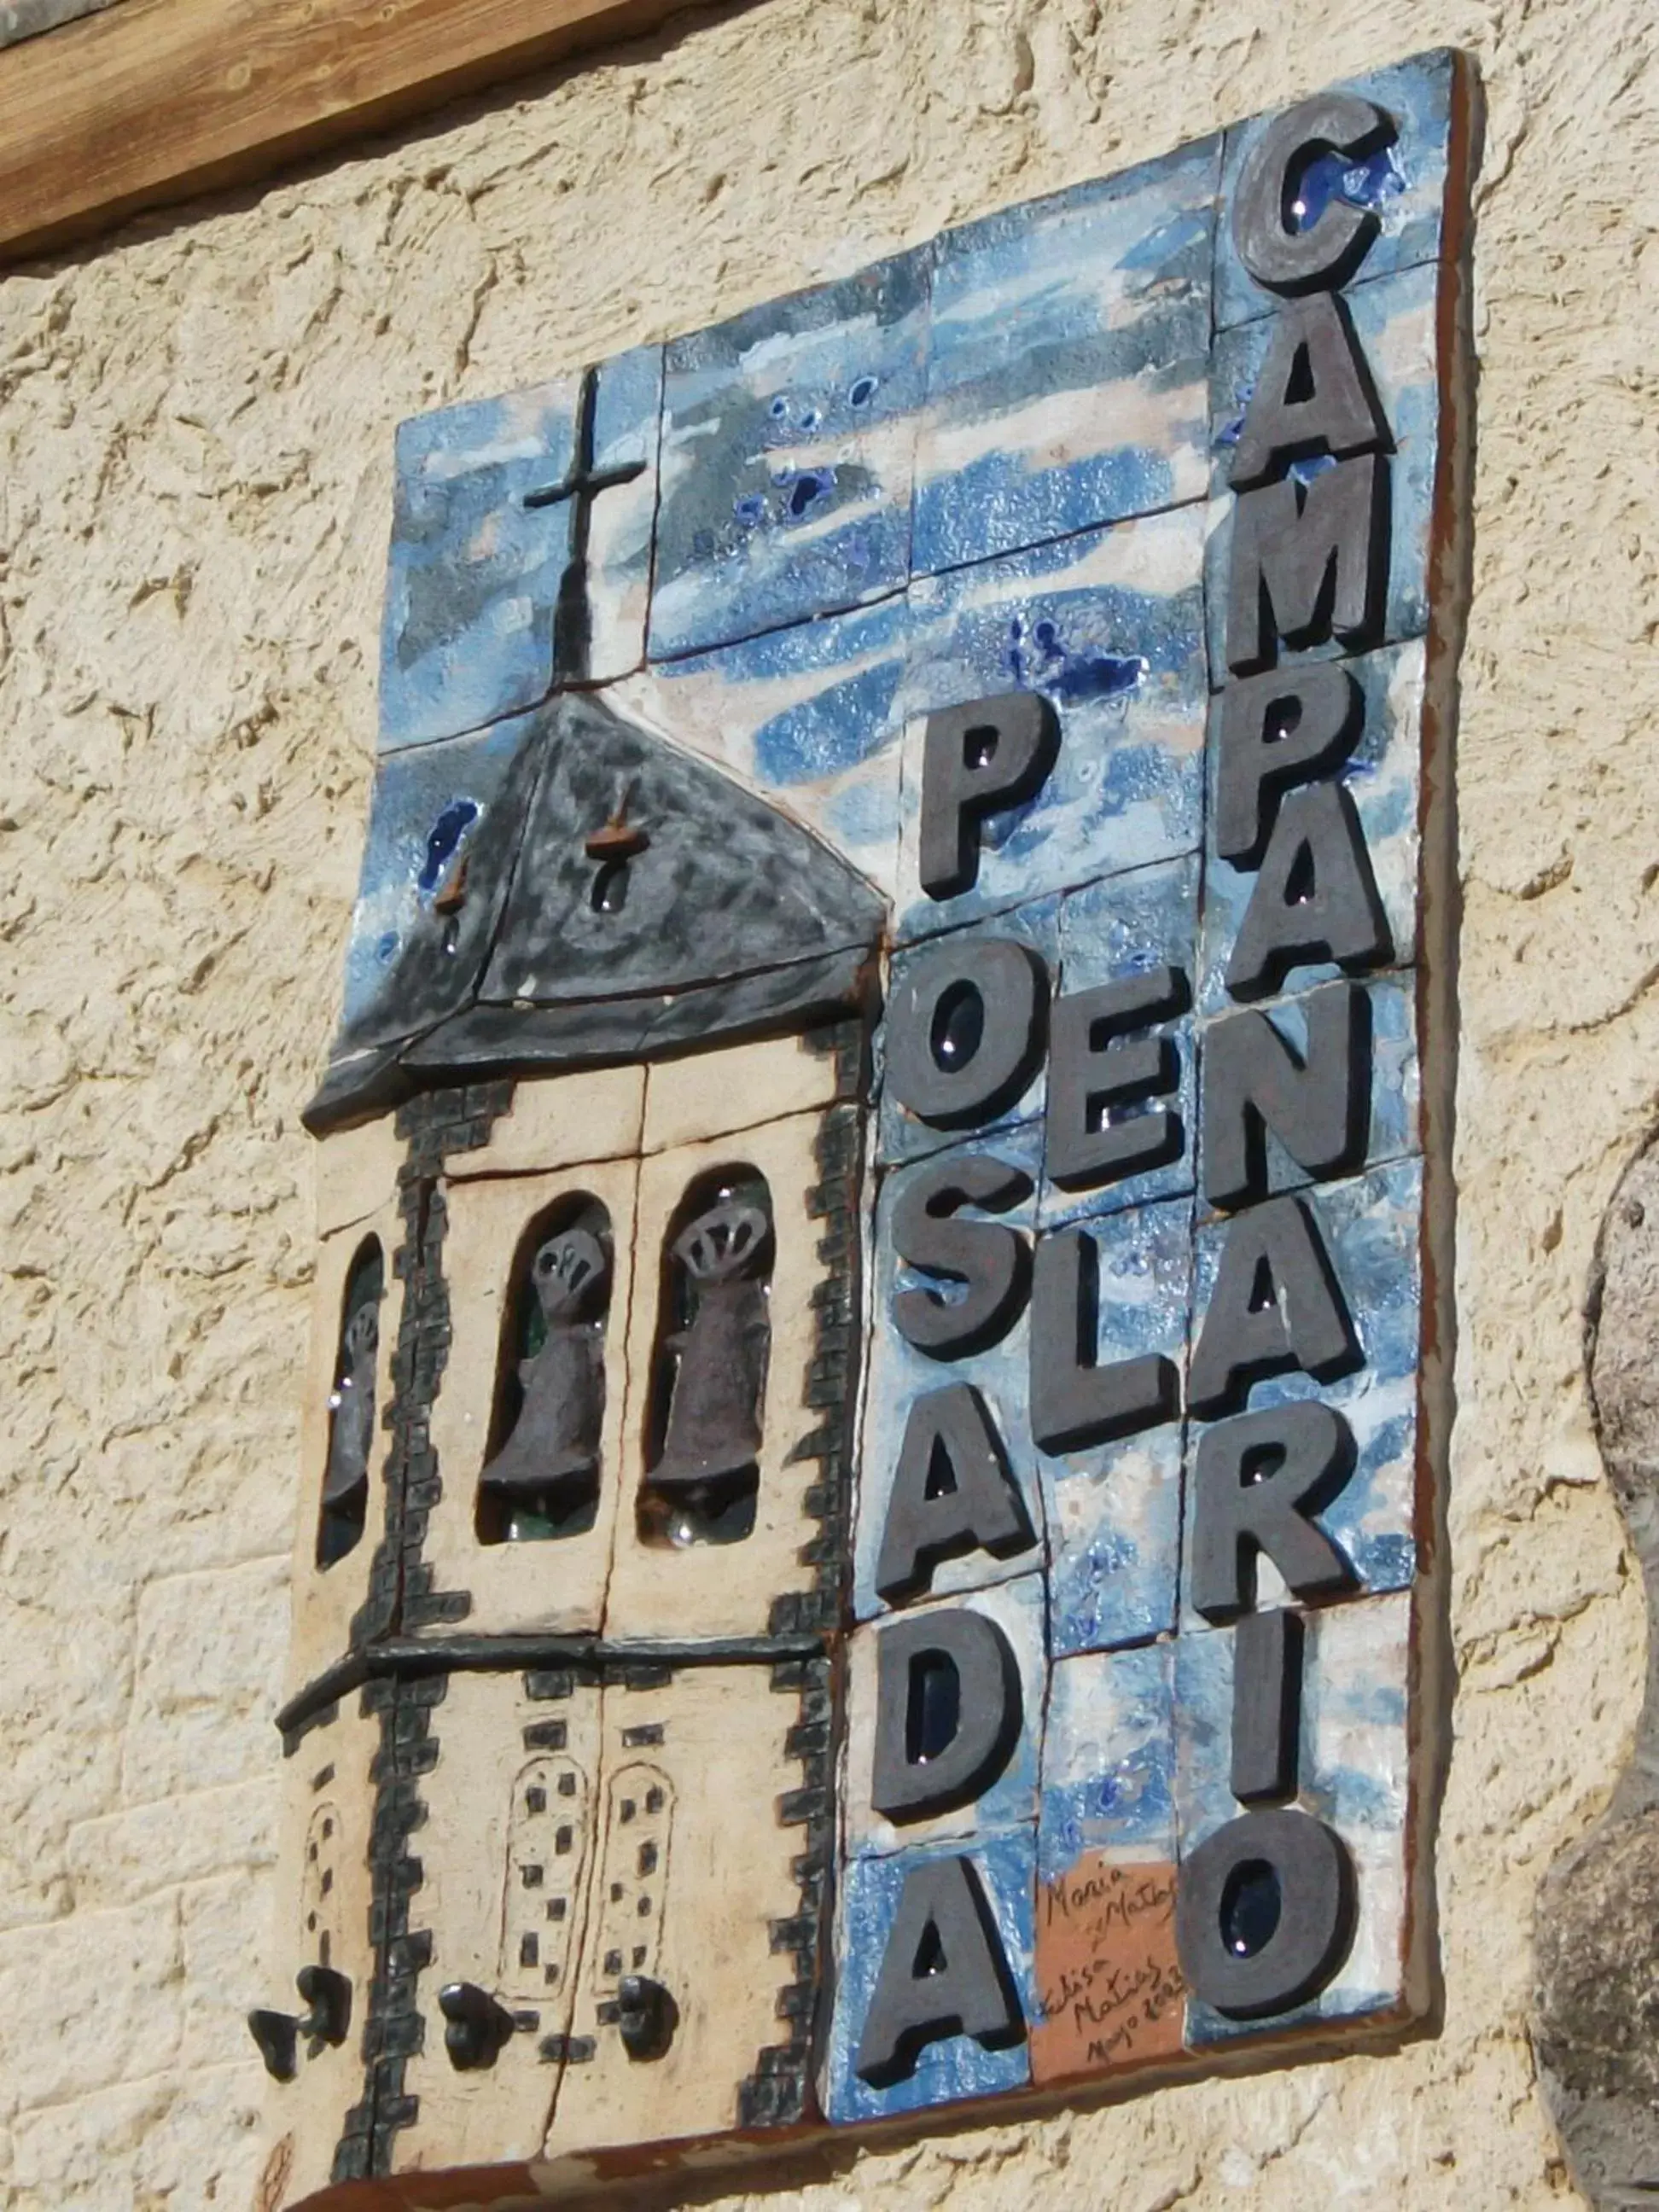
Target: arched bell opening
(541, 1465)
(708, 1367)
(342, 1512)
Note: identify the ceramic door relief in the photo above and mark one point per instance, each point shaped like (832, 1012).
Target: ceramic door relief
(872, 1458)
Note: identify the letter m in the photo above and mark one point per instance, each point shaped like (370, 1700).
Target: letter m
(1309, 563)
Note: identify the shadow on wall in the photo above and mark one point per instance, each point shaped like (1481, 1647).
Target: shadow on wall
(1597, 1930)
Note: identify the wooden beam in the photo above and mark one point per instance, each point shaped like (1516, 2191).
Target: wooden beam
(157, 101)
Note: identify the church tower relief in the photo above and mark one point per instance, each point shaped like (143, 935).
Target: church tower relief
(871, 1470)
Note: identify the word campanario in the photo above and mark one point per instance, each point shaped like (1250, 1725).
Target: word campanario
(967, 1032)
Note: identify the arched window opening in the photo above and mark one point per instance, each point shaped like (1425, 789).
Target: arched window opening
(345, 1510)
(708, 1372)
(541, 1476)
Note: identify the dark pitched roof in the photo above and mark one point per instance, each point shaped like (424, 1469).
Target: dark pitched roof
(732, 919)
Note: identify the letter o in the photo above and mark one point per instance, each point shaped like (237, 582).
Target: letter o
(954, 1072)
(1310, 1939)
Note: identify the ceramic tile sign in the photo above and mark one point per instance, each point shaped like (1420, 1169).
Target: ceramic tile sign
(880, 1384)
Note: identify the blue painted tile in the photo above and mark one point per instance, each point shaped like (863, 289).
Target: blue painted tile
(956, 2067)
(428, 813)
(1114, 1511)
(1395, 321)
(787, 453)
(808, 716)
(1109, 1759)
(1404, 184)
(1395, 1084)
(1066, 361)
(1120, 928)
(1354, 1773)
(1019, 1609)
(902, 1135)
(467, 633)
(897, 1374)
(1109, 627)
(1383, 775)
(1370, 1226)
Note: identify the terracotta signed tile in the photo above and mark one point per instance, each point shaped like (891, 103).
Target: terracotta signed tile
(1107, 1980)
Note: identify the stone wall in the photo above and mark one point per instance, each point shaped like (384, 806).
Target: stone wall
(196, 427)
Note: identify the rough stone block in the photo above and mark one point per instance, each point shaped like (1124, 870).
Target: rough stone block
(142, 1848)
(61, 2047)
(224, 1628)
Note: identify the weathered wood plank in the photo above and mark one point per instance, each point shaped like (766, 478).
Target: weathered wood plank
(156, 100)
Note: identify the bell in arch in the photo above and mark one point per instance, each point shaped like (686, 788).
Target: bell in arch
(352, 1410)
(544, 1479)
(712, 1369)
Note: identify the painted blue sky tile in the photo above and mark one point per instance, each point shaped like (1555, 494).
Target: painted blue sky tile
(1019, 1609)
(1109, 1759)
(1383, 775)
(429, 807)
(1354, 1772)
(1067, 360)
(1109, 627)
(1394, 1075)
(1114, 1511)
(1394, 320)
(1404, 185)
(789, 438)
(1370, 1228)
(467, 633)
(903, 1135)
(808, 717)
(897, 1375)
(956, 2067)
(1110, 932)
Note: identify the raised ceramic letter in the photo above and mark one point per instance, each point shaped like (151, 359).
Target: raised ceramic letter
(943, 1973)
(1329, 250)
(989, 753)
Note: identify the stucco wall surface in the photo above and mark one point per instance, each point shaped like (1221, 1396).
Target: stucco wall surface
(196, 428)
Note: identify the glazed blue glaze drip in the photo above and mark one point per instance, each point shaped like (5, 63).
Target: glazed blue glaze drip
(443, 840)
(1046, 665)
(1371, 183)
